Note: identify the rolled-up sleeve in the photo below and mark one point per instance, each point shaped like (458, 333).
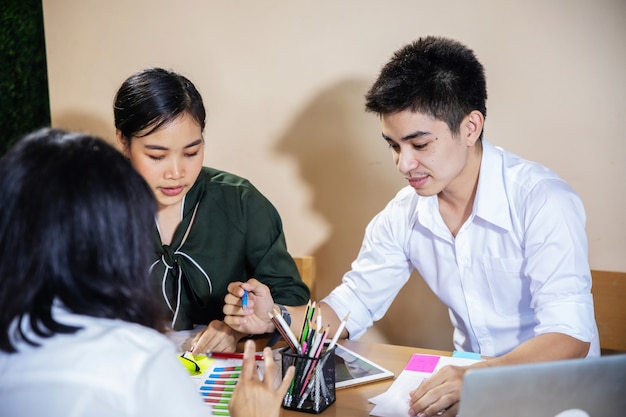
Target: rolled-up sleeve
(377, 275)
(557, 265)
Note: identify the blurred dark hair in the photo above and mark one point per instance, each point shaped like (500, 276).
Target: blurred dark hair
(76, 226)
(152, 98)
(435, 76)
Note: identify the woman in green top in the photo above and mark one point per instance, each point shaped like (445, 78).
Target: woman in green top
(212, 227)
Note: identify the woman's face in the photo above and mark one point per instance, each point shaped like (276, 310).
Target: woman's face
(169, 159)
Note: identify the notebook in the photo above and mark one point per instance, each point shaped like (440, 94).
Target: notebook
(594, 387)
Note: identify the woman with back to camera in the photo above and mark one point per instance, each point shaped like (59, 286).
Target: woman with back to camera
(213, 227)
(79, 323)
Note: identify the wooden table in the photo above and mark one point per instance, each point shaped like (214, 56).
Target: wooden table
(353, 401)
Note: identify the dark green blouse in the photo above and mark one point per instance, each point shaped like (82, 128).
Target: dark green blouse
(229, 232)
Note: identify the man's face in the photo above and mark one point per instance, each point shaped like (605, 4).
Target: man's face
(425, 151)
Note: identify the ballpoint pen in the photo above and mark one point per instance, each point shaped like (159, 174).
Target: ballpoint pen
(188, 354)
(244, 301)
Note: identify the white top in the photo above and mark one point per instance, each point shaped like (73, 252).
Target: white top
(517, 268)
(110, 368)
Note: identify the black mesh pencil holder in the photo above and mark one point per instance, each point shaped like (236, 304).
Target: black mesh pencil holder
(313, 387)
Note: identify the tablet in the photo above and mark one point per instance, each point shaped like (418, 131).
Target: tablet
(353, 369)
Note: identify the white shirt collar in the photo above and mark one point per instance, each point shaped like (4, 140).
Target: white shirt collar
(491, 203)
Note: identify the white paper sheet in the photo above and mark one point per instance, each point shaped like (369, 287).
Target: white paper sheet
(395, 401)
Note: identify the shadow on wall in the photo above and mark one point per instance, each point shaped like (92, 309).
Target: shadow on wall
(342, 157)
(85, 123)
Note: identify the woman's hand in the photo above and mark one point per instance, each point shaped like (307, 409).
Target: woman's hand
(254, 397)
(255, 320)
(217, 337)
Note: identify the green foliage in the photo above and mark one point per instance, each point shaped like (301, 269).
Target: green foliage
(24, 99)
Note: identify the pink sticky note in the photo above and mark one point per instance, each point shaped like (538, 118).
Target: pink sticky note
(422, 363)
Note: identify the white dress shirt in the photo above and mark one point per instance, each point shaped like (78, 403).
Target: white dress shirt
(110, 368)
(517, 268)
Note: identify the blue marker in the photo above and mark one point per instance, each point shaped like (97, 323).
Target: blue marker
(244, 301)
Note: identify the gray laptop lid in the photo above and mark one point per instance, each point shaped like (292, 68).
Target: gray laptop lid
(596, 386)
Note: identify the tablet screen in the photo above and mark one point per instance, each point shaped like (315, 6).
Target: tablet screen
(353, 369)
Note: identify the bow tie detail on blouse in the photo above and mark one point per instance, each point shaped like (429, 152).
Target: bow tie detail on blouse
(181, 278)
(168, 256)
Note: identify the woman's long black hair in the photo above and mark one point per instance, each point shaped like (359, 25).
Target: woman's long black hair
(76, 225)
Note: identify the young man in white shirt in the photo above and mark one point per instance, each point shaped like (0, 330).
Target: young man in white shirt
(500, 240)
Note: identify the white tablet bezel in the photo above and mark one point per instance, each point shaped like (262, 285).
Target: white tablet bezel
(363, 363)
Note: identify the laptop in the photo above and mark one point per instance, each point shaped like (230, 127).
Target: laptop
(594, 387)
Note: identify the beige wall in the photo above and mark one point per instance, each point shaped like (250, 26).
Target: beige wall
(283, 83)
